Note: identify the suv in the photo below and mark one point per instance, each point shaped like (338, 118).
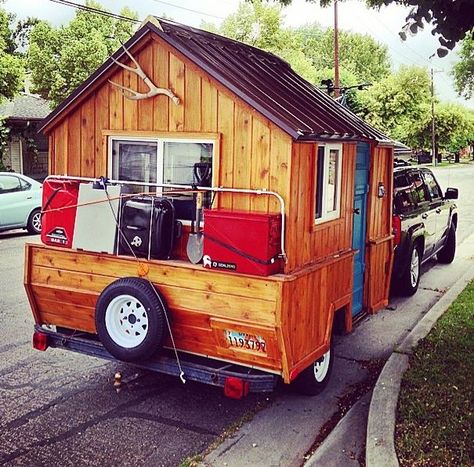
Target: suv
(424, 225)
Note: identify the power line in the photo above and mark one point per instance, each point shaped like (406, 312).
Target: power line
(95, 10)
(189, 9)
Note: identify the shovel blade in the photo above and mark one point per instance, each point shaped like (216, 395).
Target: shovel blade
(195, 247)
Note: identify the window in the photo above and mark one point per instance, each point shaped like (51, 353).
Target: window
(421, 195)
(164, 161)
(432, 185)
(328, 182)
(404, 196)
(9, 184)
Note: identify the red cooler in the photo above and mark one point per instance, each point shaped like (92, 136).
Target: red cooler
(243, 242)
(59, 212)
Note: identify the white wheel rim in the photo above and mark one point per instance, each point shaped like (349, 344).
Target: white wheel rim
(36, 221)
(126, 321)
(414, 267)
(321, 367)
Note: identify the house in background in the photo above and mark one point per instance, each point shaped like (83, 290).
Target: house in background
(27, 150)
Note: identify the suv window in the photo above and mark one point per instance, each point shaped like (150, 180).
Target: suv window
(9, 184)
(403, 197)
(432, 185)
(420, 191)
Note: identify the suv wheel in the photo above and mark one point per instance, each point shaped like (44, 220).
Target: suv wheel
(447, 253)
(411, 276)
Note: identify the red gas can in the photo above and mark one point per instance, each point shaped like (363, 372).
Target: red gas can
(243, 242)
(59, 212)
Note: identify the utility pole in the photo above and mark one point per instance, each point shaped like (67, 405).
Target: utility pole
(336, 53)
(433, 128)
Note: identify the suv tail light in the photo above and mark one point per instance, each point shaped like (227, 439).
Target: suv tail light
(397, 229)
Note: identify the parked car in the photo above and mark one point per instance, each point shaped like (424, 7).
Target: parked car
(424, 225)
(20, 202)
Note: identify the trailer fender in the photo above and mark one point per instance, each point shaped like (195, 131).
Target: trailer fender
(130, 319)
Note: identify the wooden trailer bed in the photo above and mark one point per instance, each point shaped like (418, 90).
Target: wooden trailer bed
(63, 286)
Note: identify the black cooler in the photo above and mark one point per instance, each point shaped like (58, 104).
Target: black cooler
(149, 227)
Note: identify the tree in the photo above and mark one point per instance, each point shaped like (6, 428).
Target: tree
(11, 64)
(261, 25)
(360, 56)
(395, 103)
(61, 59)
(451, 19)
(454, 129)
(463, 71)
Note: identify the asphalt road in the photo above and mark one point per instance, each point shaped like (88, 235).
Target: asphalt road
(59, 409)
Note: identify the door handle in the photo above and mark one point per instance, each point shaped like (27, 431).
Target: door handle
(438, 211)
(356, 210)
(29, 197)
(424, 216)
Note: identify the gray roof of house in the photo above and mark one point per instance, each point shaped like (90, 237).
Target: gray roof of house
(25, 107)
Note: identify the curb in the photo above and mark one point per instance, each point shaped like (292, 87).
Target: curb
(380, 443)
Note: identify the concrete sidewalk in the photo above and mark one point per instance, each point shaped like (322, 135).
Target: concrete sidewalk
(317, 431)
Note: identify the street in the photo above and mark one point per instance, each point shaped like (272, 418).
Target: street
(58, 408)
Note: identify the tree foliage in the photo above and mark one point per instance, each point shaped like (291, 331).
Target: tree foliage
(11, 64)
(396, 102)
(62, 58)
(451, 19)
(360, 56)
(454, 128)
(463, 71)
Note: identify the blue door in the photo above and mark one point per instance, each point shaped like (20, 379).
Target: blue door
(361, 188)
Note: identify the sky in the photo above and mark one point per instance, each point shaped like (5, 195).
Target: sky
(383, 25)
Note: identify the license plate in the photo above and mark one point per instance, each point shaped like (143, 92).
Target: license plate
(243, 340)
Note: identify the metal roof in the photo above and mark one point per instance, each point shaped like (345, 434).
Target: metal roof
(264, 81)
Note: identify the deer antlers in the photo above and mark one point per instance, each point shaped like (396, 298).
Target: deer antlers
(153, 89)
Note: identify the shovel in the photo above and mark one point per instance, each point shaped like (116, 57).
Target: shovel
(195, 246)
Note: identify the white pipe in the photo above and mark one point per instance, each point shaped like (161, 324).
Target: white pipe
(191, 187)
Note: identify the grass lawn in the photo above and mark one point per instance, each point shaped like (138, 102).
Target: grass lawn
(435, 408)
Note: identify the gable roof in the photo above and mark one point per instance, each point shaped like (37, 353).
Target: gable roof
(261, 79)
(25, 107)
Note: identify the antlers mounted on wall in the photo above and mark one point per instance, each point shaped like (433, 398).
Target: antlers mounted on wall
(153, 89)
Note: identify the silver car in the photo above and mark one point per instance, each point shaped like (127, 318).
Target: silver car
(20, 202)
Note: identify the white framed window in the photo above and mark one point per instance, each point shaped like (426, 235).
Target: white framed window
(328, 169)
(170, 161)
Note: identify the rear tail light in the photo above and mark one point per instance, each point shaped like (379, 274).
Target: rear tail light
(40, 341)
(397, 229)
(236, 388)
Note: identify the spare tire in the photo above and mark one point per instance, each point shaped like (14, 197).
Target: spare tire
(130, 319)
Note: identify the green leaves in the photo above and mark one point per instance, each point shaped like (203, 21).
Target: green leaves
(463, 71)
(62, 58)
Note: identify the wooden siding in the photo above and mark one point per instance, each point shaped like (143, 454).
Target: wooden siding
(254, 153)
(308, 306)
(379, 252)
(308, 242)
(63, 286)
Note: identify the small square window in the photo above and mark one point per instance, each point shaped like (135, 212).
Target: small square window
(328, 182)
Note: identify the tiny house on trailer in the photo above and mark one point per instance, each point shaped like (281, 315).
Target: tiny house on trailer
(297, 196)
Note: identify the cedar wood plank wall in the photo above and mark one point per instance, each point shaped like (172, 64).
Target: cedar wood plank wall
(379, 253)
(254, 153)
(78, 144)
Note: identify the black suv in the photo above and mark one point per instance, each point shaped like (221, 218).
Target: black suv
(424, 225)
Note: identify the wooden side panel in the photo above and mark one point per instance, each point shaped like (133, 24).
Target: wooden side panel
(87, 132)
(307, 312)
(308, 242)
(64, 286)
(379, 254)
(252, 151)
